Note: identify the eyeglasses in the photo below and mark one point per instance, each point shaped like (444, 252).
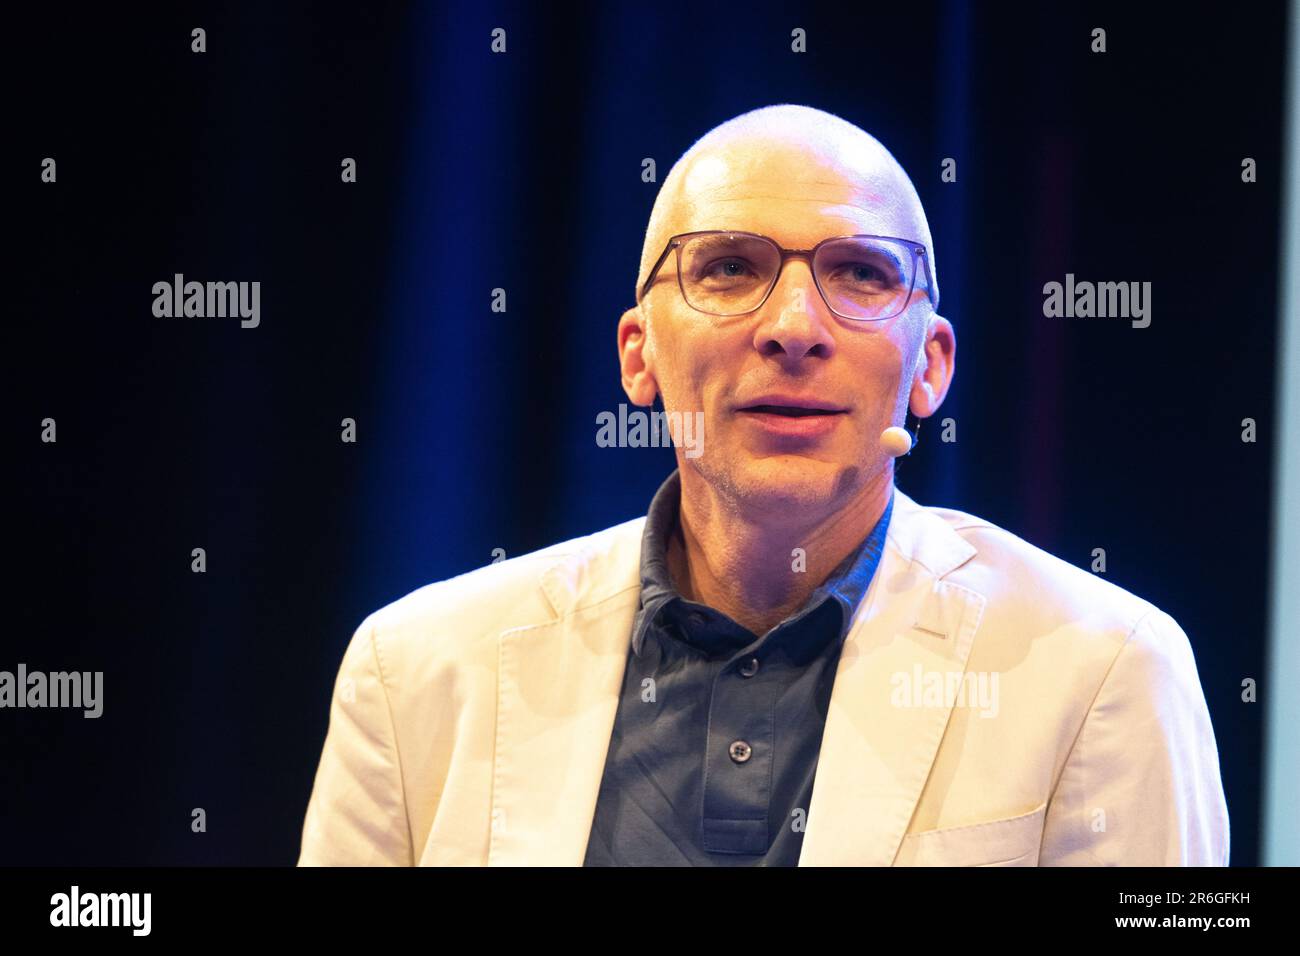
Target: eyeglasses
(865, 278)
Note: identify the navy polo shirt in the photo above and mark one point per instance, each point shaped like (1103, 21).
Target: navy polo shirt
(715, 743)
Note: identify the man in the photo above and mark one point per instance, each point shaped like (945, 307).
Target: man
(788, 660)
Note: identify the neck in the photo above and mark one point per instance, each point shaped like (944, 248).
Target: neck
(740, 559)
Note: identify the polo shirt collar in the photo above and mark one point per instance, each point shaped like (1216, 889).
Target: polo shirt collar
(847, 584)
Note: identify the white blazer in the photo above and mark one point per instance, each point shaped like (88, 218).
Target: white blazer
(470, 719)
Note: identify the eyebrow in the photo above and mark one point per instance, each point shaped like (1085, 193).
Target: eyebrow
(723, 238)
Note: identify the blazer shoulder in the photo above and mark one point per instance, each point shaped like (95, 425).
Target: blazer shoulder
(451, 614)
(1037, 585)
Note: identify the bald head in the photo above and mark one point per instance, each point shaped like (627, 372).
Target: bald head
(793, 395)
(794, 173)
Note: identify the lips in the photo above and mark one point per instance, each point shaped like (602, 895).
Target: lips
(791, 406)
(790, 417)
(791, 411)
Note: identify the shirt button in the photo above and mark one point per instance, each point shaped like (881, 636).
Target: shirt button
(749, 668)
(740, 751)
(696, 619)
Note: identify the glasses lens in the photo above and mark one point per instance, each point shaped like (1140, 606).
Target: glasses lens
(866, 278)
(727, 274)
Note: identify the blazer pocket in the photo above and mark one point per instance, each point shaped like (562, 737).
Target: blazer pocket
(1013, 841)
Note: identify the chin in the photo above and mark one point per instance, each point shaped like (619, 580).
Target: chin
(791, 481)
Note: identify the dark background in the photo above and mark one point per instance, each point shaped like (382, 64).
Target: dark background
(476, 429)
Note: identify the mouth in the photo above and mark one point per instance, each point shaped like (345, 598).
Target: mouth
(790, 411)
(791, 406)
(790, 417)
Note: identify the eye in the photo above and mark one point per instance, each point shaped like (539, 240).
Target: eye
(727, 269)
(863, 272)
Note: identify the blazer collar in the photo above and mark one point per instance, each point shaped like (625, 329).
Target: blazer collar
(608, 563)
(922, 536)
(559, 682)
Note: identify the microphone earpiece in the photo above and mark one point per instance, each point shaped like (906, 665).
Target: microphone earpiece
(895, 441)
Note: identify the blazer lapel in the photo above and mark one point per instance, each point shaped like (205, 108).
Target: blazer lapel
(880, 740)
(558, 689)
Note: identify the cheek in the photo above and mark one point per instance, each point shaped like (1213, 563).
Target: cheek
(695, 363)
(878, 362)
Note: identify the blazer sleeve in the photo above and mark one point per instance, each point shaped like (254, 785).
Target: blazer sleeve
(357, 812)
(1141, 784)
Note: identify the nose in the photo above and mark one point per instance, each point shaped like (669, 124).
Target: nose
(796, 324)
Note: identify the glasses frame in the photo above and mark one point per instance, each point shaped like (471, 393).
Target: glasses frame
(919, 251)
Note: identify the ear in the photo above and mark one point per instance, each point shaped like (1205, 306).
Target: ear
(638, 380)
(935, 365)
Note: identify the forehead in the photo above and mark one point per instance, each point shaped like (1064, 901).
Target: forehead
(796, 194)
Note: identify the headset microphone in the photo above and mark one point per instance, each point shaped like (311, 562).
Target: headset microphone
(895, 441)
